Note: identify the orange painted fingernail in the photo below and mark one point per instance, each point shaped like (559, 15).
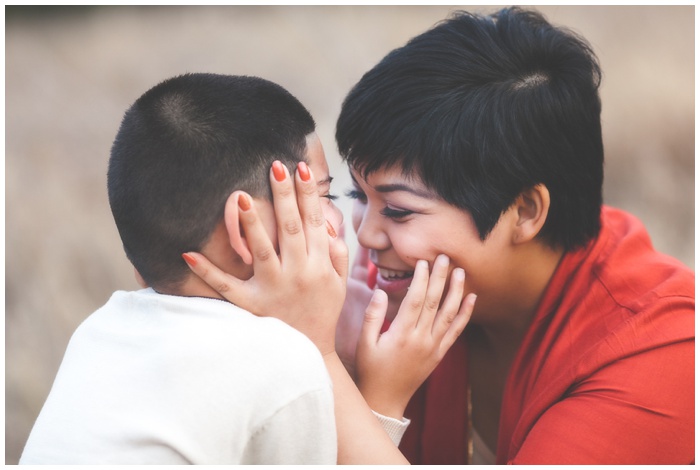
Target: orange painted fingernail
(278, 171)
(331, 230)
(189, 259)
(304, 173)
(243, 202)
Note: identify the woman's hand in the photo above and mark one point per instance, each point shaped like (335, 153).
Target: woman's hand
(392, 365)
(304, 285)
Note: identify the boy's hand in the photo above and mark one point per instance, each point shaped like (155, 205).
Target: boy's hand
(392, 365)
(353, 312)
(304, 285)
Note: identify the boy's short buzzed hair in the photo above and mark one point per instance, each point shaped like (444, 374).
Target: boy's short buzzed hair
(182, 148)
(482, 108)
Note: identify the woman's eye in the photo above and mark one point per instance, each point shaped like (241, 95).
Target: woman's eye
(395, 214)
(358, 195)
(330, 197)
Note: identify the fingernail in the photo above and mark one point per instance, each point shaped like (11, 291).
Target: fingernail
(243, 202)
(331, 230)
(471, 298)
(304, 173)
(278, 171)
(459, 274)
(443, 260)
(189, 259)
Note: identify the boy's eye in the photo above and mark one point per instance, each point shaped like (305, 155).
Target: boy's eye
(355, 194)
(395, 214)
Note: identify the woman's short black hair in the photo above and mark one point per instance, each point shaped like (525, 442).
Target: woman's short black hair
(482, 108)
(183, 147)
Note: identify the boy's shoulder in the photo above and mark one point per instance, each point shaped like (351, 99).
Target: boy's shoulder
(201, 340)
(195, 328)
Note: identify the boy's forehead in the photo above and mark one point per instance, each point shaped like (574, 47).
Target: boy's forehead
(315, 156)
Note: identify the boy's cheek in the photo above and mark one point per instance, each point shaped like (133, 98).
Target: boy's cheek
(335, 217)
(267, 217)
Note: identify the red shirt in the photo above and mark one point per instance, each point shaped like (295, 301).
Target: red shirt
(605, 373)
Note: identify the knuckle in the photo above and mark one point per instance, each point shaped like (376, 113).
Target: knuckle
(315, 219)
(222, 287)
(432, 304)
(371, 316)
(263, 254)
(292, 227)
(449, 317)
(308, 189)
(303, 283)
(285, 191)
(415, 304)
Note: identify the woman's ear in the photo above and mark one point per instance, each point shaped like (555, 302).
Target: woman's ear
(234, 228)
(532, 207)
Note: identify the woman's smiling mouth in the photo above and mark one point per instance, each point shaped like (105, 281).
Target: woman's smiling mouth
(391, 281)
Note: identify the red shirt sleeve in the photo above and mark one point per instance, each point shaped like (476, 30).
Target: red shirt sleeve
(644, 404)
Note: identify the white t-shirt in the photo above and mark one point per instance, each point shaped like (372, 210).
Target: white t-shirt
(157, 379)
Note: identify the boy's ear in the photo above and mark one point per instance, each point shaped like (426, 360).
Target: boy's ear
(532, 207)
(234, 229)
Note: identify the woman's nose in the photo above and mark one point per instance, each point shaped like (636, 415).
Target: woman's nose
(370, 233)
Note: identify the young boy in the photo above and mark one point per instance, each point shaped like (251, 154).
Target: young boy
(175, 374)
(172, 373)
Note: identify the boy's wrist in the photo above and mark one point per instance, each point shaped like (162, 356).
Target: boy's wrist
(385, 404)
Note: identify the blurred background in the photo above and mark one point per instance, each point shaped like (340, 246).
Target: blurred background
(71, 72)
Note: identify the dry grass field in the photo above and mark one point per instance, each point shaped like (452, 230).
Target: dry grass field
(71, 72)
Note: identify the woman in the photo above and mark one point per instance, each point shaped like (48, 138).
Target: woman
(481, 139)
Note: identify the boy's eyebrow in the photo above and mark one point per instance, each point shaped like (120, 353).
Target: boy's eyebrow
(324, 181)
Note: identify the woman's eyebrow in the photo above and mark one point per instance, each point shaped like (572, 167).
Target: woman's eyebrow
(390, 188)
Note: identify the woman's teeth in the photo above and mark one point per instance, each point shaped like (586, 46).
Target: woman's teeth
(390, 275)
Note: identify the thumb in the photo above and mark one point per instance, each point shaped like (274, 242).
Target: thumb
(360, 264)
(228, 286)
(374, 318)
(339, 257)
